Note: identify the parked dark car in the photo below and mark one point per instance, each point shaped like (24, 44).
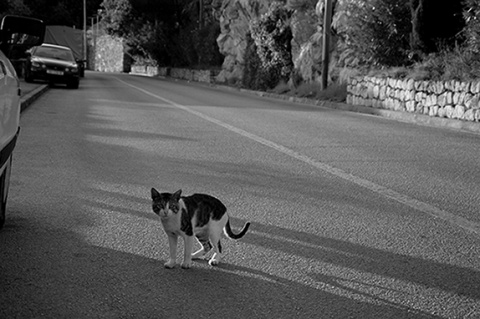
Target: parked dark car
(52, 63)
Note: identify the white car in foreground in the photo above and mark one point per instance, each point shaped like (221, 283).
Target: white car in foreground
(16, 34)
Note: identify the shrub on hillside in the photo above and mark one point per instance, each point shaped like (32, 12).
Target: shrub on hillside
(472, 28)
(301, 5)
(272, 36)
(205, 44)
(377, 33)
(436, 24)
(252, 66)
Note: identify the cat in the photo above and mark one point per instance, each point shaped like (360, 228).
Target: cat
(199, 215)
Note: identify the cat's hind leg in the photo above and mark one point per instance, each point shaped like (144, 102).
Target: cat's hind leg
(215, 234)
(217, 249)
(206, 247)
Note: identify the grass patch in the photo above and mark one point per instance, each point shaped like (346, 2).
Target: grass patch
(281, 88)
(335, 92)
(455, 64)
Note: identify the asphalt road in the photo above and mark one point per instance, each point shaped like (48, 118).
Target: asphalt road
(353, 216)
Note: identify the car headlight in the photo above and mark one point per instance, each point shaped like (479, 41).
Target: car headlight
(37, 64)
(72, 69)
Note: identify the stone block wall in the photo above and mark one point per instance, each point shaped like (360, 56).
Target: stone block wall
(206, 76)
(447, 99)
(109, 55)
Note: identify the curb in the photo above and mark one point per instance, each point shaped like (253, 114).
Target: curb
(30, 97)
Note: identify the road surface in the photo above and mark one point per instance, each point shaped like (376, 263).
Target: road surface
(353, 216)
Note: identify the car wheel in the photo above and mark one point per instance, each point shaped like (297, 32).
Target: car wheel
(28, 76)
(4, 185)
(74, 84)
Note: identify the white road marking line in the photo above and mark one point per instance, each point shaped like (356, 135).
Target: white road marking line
(379, 189)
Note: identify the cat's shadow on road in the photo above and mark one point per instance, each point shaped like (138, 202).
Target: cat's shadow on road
(428, 273)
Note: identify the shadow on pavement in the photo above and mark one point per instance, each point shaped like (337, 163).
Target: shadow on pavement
(55, 273)
(366, 259)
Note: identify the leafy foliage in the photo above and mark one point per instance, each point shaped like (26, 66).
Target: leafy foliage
(457, 64)
(272, 36)
(52, 12)
(301, 5)
(472, 29)
(436, 24)
(16, 7)
(166, 35)
(252, 70)
(121, 19)
(377, 33)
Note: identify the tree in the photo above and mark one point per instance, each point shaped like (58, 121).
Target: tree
(436, 24)
(377, 33)
(472, 28)
(16, 7)
(52, 12)
(273, 37)
(166, 32)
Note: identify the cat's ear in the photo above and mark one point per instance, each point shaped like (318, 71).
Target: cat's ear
(155, 193)
(177, 194)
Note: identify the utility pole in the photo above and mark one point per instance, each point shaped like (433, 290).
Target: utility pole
(327, 25)
(85, 30)
(200, 13)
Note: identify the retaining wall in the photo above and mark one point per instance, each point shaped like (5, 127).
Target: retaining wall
(447, 99)
(207, 76)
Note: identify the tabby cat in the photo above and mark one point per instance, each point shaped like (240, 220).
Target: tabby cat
(201, 215)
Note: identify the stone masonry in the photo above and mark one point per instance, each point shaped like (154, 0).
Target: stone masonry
(447, 99)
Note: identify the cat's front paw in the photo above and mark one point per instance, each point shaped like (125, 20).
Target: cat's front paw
(170, 264)
(187, 265)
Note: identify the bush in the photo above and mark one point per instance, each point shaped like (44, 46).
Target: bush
(456, 64)
(272, 36)
(472, 29)
(377, 33)
(301, 5)
(205, 44)
(252, 66)
(436, 24)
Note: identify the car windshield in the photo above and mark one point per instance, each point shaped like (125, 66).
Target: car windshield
(54, 53)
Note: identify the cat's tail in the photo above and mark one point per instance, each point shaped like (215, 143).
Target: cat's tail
(232, 235)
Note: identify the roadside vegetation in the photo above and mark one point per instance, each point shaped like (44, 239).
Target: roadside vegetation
(166, 33)
(420, 39)
(429, 39)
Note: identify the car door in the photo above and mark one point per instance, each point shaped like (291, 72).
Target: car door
(9, 105)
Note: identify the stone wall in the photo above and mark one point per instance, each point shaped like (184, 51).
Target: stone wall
(447, 99)
(205, 76)
(107, 55)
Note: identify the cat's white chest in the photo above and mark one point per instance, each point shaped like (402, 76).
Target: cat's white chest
(171, 224)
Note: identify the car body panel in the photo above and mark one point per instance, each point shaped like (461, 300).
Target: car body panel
(9, 101)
